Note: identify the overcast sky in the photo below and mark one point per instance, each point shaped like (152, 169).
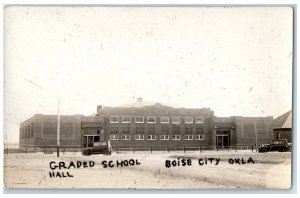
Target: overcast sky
(236, 61)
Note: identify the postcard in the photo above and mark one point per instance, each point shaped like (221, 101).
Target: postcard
(137, 97)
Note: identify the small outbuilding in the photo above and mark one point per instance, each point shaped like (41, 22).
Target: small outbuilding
(282, 126)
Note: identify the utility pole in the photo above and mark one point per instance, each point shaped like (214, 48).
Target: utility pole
(58, 130)
(255, 136)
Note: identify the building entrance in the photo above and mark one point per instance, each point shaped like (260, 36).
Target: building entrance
(222, 138)
(89, 140)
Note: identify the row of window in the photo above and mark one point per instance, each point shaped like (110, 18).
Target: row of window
(153, 137)
(141, 128)
(166, 120)
(49, 130)
(27, 131)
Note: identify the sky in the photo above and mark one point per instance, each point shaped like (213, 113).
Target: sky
(236, 61)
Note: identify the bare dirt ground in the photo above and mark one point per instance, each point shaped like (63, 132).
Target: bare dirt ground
(270, 171)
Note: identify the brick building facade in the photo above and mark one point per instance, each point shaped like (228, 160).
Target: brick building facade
(140, 124)
(41, 130)
(156, 126)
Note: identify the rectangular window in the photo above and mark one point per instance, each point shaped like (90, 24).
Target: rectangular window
(176, 120)
(164, 120)
(199, 120)
(125, 137)
(139, 120)
(29, 128)
(125, 128)
(176, 129)
(151, 119)
(125, 119)
(188, 120)
(66, 130)
(114, 119)
(188, 129)
(114, 128)
(164, 137)
(151, 128)
(49, 130)
(113, 136)
(139, 128)
(188, 137)
(28, 131)
(199, 128)
(139, 137)
(32, 130)
(96, 138)
(30, 134)
(199, 137)
(165, 128)
(175, 137)
(151, 137)
(222, 132)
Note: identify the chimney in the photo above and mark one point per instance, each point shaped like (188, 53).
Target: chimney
(139, 99)
(99, 107)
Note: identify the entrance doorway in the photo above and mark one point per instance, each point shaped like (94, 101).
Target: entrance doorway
(222, 138)
(89, 140)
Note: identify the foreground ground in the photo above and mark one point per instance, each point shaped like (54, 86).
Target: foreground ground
(270, 170)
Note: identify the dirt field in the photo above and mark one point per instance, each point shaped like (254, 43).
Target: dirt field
(269, 171)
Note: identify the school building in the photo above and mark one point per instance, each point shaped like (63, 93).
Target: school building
(143, 124)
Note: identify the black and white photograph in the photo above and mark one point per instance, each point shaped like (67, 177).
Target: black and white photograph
(148, 97)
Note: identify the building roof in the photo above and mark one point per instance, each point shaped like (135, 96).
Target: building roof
(283, 121)
(140, 104)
